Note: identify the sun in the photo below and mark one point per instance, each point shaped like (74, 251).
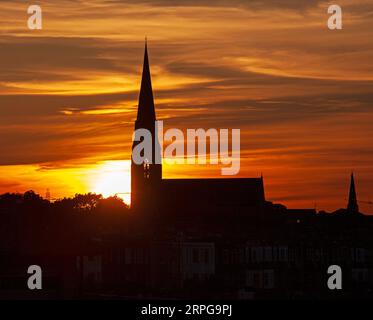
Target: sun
(113, 178)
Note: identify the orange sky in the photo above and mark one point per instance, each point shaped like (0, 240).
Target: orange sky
(300, 93)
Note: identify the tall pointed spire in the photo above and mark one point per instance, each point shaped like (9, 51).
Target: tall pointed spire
(352, 205)
(146, 112)
(146, 176)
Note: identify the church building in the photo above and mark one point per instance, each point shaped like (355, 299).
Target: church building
(150, 191)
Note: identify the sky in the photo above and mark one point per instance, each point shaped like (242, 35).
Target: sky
(301, 94)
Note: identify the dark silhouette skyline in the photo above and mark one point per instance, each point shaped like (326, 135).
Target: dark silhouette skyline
(181, 239)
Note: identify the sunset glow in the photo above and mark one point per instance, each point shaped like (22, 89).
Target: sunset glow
(113, 178)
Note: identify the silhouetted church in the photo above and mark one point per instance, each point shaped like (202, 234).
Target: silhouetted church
(149, 190)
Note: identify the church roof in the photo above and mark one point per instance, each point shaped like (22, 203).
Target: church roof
(210, 192)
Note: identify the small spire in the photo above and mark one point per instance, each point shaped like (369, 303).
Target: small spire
(352, 205)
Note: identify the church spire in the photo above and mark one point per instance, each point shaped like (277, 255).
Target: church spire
(146, 176)
(146, 112)
(352, 206)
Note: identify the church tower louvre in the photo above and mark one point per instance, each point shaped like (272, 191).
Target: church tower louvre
(146, 177)
(352, 205)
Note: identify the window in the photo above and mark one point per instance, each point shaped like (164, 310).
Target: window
(207, 256)
(265, 279)
(268, 254)
(268, 279)
(283, 254)
(127, 256)
(275, 253)
(256, 280)
(257, 254)
(146, 170)
(195, 256)
(225, 256)
(253, 254)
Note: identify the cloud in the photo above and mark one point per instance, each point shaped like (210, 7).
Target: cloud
(253, 4)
